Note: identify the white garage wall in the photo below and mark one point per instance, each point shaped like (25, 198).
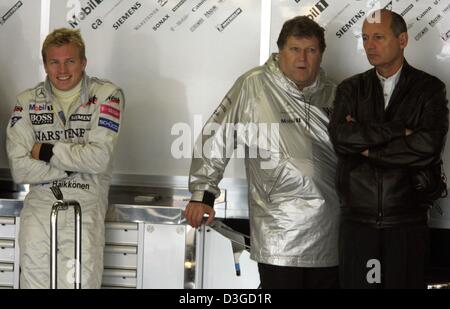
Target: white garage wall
(175, 68)
(19, 57)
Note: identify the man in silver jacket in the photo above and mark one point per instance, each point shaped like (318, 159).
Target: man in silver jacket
(279, 112)
(63, 133)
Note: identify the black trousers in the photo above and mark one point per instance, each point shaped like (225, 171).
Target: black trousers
(372, 258)
(284, 277)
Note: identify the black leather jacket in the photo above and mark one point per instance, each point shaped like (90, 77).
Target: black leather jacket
(379, 189)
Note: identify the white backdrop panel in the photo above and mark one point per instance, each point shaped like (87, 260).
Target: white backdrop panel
(429, 35)
(19, 56)
(428, 49)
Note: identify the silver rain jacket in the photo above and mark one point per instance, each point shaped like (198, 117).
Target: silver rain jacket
(290, 165)
(84, 142)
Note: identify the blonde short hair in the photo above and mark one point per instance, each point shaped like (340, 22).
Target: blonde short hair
(63, 36)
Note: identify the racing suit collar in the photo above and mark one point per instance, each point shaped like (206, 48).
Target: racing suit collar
(84, 89)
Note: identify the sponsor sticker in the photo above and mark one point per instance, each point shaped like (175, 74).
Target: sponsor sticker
(81, 117)
(56, 135)
(229, 20)
(17, 109)
(78, 14)
(92, 101)
(11, 12)
(40, 93)
(111, 111)
(40, 107)
(40, 119)
(109, 124)
(445, 36)
(113, 99)
(14, 120)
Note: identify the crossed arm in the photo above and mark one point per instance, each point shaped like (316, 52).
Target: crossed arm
(391, 143)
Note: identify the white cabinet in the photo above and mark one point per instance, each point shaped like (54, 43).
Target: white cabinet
(123, 255)
(149, 256)
(169, 255)
(9, 252)
(164, 256)
(219, 269)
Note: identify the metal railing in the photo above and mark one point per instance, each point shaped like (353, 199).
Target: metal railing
(62, 204)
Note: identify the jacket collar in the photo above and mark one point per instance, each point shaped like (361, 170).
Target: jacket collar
(399, 89)
(272, 68)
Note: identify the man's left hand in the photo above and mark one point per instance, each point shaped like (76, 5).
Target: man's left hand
(349, 119)
(365, 153)
(36, 151)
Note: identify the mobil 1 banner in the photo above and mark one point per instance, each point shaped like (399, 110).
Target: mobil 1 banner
(175, 60)
(19, 57)
(159, 15)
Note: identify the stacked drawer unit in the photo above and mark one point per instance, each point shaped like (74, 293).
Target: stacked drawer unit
(8, 253)
(121, 255)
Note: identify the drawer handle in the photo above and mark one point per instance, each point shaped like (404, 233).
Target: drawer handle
(121, 249)
(121, 226)
(6, 267)
(6, 243)
(123, 273)
(7, 221)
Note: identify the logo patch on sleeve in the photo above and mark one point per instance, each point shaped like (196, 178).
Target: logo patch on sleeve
(17, 109)
(14, 120)
(111, 111)
(109, 124)
(81, 117)
(113, 99)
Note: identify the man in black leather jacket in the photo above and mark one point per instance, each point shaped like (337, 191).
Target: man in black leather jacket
(388, 127)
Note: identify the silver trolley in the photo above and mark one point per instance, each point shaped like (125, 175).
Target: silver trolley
(62, 204)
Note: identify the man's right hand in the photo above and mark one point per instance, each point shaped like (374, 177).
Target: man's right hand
(194, 213)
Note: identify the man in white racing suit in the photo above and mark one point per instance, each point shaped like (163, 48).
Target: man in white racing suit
(63, 133)
(279, 112)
